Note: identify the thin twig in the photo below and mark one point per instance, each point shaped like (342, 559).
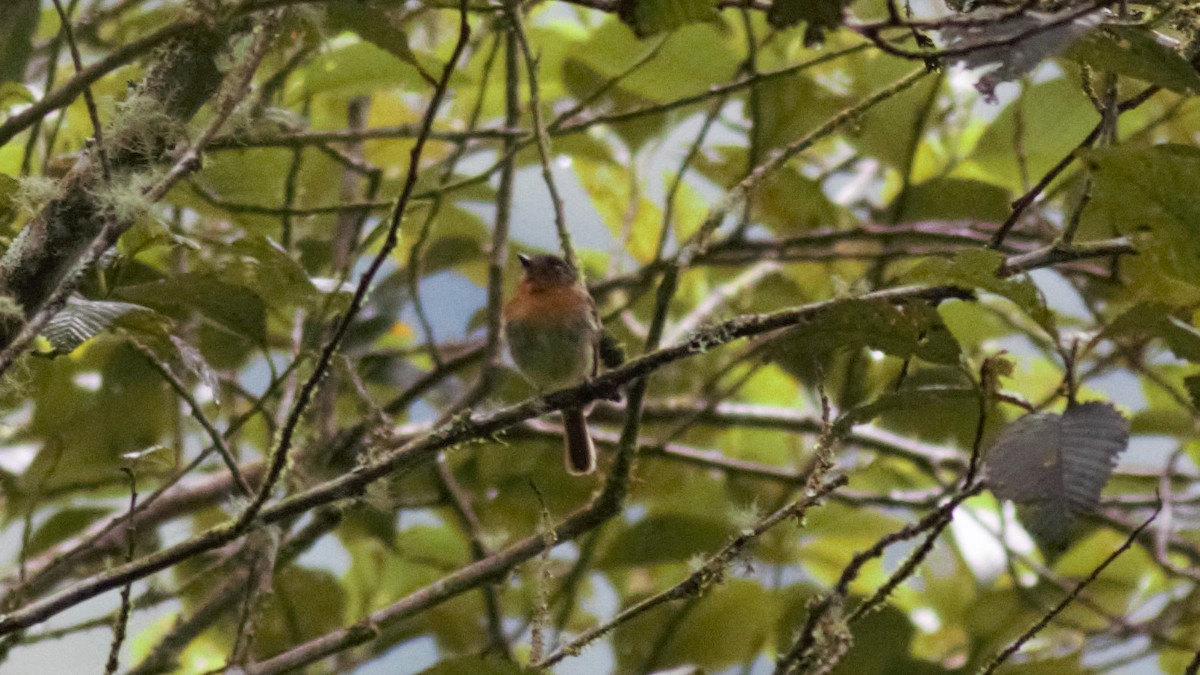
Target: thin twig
(539, 130)
(234, 576)
(235, 89)
(419, 451)
(460, 503)
(1026, 200)
(799, 653)
(218, 440)
(939, 524)
(416, 259)
(93, 544)
(121, 620)
(89, 100)
(668, 220)
(85, 78)
(560, 126)
(289, 196)
(872, 33)
(1193, 666)
(712, 571)
(650, 54)
(781, 156)
(279, 456)
(542, 578)
(1042, 622)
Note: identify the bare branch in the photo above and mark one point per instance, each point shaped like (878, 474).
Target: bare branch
(711, 572)
(121, 620)
(1041, 623)
(279, 456)
(539, 130)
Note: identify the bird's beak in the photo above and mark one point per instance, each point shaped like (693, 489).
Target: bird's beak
(525, 260)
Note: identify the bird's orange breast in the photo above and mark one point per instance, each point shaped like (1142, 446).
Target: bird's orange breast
(552, 334)
(547, 305)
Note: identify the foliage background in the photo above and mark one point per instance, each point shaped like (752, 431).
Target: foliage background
(916, 262)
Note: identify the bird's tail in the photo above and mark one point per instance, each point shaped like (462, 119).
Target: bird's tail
(581, 454)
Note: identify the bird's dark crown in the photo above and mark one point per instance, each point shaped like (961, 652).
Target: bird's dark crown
(547, 269)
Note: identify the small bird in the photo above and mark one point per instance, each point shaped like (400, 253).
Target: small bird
(554, 336)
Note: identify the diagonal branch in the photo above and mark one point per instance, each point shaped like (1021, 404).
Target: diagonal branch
(709, 573)
(1045, 620)
(421, 450)
(460, 430)
(539, 130)
(279, 456)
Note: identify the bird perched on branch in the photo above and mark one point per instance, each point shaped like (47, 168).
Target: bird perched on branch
(555, 338)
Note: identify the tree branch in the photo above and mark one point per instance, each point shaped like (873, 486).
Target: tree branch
(711, 572)
(1041, 623)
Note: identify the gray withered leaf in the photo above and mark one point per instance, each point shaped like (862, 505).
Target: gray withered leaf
(81, 320)
(1011, 47)
(1054, 466)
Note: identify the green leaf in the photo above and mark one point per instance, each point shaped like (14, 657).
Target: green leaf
(972, 324)
(306, 603)
(477, 665)
(457, 241)
(647, 17)
(432, 546)
(62, 525)
(876, 132)
(790, 202)
(1163, 414)
(916, 399)
(607, 184)
(1156, 319)
(1054, 466)
(254, 176)
(1157, 188)
(366, 522)
(235, 308)
(380, 573)
(13, 93)
(376, 27)
(821, 16)
(359, 68)
(8, 193)
(665, 538)
(882, 645)
(726, 626)
(788, 107)
(1177, 660)
(261, 265)
(147, 233)
(1123, 580)
(582, 80)
(18, 24)
(1136, 52)
(1192, 382)
(844, 529)
(611, 49)
(1053, 116)
(977, 269)
(86, 429)
(956, 199)
(900, 331)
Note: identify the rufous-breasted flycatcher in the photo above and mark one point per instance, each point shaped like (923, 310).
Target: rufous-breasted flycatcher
(554, 336)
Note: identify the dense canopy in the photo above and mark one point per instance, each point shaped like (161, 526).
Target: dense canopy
(257, 414)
